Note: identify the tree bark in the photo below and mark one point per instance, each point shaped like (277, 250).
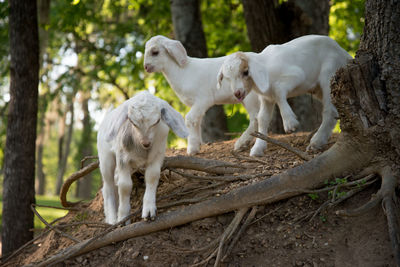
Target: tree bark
(64, 148)
(84, 186)
(188, 29)
(19, 164)
(269, 22)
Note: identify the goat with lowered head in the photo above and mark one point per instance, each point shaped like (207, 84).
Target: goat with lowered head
(193, 80)
(131, 137)
(303, 65)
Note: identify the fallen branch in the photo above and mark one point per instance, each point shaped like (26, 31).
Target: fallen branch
(288, 147)
(341, 157)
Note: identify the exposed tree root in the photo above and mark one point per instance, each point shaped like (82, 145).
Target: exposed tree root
(75, 176)
(225, 237)
(249, 220)
(288, 147)
(345, 155)
(387, 196)
(200, 164)
(180, 162)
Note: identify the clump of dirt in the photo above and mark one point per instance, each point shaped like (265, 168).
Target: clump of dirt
(278, 236)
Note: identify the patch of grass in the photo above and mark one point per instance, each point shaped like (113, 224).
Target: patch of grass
(49, 214)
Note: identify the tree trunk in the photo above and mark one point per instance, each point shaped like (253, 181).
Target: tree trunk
(43, 19)
(269, 22)
(64, 147)
(188, 29)
(367, 96)
(84, 186)
(19, 163)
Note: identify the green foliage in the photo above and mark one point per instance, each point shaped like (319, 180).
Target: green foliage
(313, 196)
(49, 214)
(97, 47)
(346, 22)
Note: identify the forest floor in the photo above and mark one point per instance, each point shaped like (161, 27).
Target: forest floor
(277, 237)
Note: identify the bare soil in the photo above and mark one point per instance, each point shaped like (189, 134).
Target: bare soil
(277, 236)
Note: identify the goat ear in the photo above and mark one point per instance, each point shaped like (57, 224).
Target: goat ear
(258, 73)
(173, 119)
(119, 117)
(220, 77)
(176, 51)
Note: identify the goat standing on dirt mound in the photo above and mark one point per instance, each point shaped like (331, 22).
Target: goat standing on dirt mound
(303, 65)
(193, 81)
(134, 136)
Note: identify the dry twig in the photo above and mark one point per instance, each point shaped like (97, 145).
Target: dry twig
(288, 147)
(53, 228)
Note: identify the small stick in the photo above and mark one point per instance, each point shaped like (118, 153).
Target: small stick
(192, 190)
(250, 159)
(89, 224)
(288, 147)
(54, 207)
(182, 202)
(248, 222)
(87, 158)
(52, 227)
(223, 178)
(226, 236)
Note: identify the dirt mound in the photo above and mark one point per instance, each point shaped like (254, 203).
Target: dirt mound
(278, 236)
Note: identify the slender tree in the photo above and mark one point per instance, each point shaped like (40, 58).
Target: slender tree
(64, 144)
(188, 29)
(84, 186)
(19, 165)
(269, 22)
(43, 19)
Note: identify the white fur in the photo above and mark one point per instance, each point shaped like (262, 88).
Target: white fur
(193, 80)
(133, 136)
(305, 64)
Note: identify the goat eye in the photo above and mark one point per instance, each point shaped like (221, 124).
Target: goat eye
(246, 73)
(154, 53)
(133, 123)
(156, 122)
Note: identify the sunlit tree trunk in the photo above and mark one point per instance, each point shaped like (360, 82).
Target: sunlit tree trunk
(64, 146)
(19, 163)
(269, 22)
(84, 185)
(188, 29)
(43, 19)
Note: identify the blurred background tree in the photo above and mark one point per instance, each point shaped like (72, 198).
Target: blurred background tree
(91, 57)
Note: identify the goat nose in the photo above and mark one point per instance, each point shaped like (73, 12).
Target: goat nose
(146, 144)
(147, 67)
(238, 94)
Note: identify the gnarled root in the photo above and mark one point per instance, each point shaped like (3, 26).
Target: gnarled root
(387, 196)
(346, 155)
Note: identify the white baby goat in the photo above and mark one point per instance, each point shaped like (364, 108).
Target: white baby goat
(134, 136)
(305, 64)
(193, 80)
